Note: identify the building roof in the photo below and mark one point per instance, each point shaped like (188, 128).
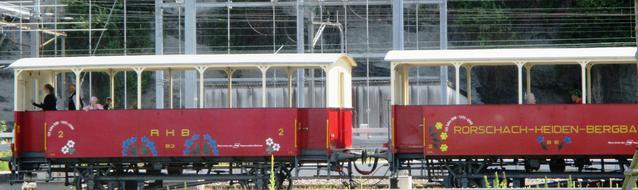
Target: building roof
(509, 56)
(183, 61)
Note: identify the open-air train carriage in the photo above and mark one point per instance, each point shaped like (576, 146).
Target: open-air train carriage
(103, 146)
(461, 143)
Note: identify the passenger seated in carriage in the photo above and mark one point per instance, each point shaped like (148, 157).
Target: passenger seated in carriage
(93, 105)
(575, 96)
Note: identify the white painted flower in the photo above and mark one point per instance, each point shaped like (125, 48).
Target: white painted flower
(70, 143)
(269, 141)
(275, 147)
(65, 150)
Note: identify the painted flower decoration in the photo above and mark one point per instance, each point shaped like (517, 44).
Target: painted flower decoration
(65, 150)
(271, 146)
(438, 125)
(567, 139)
(443, 136)
(540, 139)
(269, 142)
(275, 147)
(443, 147)
(70, 143)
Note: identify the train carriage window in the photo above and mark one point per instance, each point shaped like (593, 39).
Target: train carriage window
(246, 91)
(495, 84)
(216, 88)
(619, 87)
(280, 93)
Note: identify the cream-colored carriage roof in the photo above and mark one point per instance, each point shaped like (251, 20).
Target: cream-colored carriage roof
(616, 55)
(185, 61)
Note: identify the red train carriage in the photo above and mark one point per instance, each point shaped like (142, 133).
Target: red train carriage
(102, 147)
(465, 143)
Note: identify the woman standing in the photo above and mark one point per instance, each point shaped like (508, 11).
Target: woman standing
(49, 100)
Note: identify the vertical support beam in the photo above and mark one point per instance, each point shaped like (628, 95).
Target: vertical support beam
(519, 66)
(528, 81)
(589, 96)
(16, 89)
(201, 70)
(301, 100)
(443, 75)
(397, 25)
(395, 97)
(138, 72)
(230, 72)
(468, 80)
(125, 11)
(78, 87)
(289, 70)
(190, 42)
(583, 79)
(405, 83)
(264, 72)
(457, 81)
(35, 34)
(112, 90)
(170, 87)
(159, 50)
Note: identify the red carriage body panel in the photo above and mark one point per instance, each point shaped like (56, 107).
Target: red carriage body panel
(516, 130)
(180, 133)
(325, 129)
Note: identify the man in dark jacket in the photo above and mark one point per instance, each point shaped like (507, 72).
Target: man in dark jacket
(49, 100)
(71, 101)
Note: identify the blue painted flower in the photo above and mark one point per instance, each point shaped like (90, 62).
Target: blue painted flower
(567, 139)
(540, 139)
(150, 145)
(126, 143)
(213, 144)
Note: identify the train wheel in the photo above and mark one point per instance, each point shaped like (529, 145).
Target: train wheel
(281, 176)
(78, 181)
(557, 165)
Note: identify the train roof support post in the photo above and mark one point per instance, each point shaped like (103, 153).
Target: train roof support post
(589, 97)
(78, 87)
(457, 81)
(201, 70)
(583, 78)
(264, 72)
(229, 73)
(170, 87)
(519, 66)
(468, 80)
(289, 71)
(111, 74)
(138, 72)
(528, 80)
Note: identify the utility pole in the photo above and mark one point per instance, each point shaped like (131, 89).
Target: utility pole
(443, 45)
(159, 50)
(190, 44)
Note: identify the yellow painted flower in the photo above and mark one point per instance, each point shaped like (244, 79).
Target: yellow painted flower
(439, 125)
(443, 147)
(443, 136)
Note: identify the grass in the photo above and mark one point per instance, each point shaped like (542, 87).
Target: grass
(4, 166)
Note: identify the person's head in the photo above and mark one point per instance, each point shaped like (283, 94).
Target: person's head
(48, 89)
(530, 98)
(574, 95)
(109, 100)
(72, 88)
(93, 100)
